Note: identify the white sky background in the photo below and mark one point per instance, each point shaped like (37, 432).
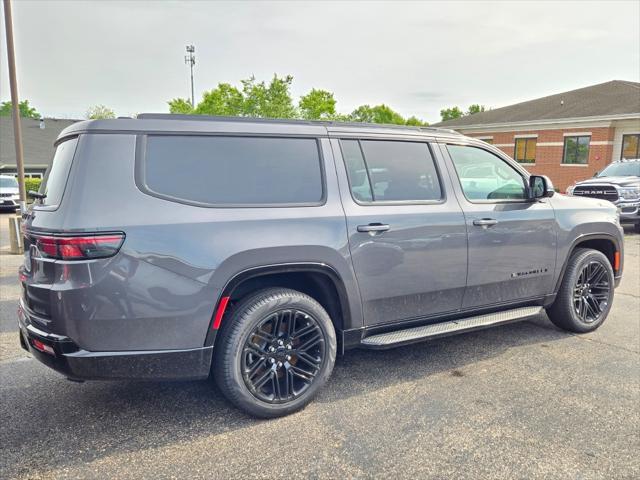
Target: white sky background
(417, 57)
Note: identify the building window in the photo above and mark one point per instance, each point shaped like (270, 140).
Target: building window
(488, 140)
(630, 146)
(526, 150)
(576, 150)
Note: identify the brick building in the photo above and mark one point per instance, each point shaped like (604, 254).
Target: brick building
(568, 136)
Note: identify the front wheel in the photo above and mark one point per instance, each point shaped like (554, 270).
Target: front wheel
(275, 352)
(586, 293)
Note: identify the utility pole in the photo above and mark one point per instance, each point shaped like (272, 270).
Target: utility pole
(189, 59)
(17, 126)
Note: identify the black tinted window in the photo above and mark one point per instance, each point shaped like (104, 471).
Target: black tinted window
(234, 170)
(55, 180)
(401, 171)
(356, 170)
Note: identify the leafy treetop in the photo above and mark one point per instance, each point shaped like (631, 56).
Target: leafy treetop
(274, 100)
(98, 112)
(455, 112)
(26, 111)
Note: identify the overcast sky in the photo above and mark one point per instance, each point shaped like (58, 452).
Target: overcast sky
(417, 57)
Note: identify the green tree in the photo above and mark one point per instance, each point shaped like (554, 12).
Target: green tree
(26, 111)
(273, 100)
(364, 113)
(475, 108)
(268, 101)
(450, 113)
(99, 112)
(317, 105)
(416, 122)
(224, 100)
(382, 114)
(180, 105)
(376, 114)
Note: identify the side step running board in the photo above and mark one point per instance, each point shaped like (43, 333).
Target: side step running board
(437, 330)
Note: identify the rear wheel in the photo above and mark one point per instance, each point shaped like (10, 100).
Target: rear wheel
(636, 227)
(586, 292)
(275, 352)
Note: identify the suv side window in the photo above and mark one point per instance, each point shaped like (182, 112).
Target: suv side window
(391, 171)
(357, 171)
(55, 180)
(233, 171)
(485, 176)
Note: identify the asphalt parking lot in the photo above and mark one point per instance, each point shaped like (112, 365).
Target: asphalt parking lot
(519, 401)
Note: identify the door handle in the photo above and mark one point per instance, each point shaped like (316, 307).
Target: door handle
(485, 222)
(373, 228)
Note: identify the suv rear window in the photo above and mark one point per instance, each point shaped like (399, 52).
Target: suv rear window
(242, 171)
(55, 179)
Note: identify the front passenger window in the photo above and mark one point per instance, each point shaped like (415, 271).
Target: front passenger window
(484, 176)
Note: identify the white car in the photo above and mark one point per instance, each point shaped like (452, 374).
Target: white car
(9, 193)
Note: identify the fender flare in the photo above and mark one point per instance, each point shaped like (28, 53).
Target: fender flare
(583, 238)
(264, 270)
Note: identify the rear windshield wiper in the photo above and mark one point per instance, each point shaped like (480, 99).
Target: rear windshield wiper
(34, 194)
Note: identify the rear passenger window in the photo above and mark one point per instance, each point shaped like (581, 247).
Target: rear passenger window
(358, 177)
(391, 171)
(55, 180)
(234, 170)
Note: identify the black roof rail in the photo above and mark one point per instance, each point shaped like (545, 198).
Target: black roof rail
(326, 123)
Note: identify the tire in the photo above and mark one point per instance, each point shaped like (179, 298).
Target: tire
(246, 352)
(591, 271)
(636, 227)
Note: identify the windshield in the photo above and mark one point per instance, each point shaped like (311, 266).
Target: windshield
(8, 182)
(622, 169)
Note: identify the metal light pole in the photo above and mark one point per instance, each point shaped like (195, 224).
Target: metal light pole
(17, 126)
(189, 59)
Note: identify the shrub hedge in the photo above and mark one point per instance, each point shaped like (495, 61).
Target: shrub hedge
(32, 184)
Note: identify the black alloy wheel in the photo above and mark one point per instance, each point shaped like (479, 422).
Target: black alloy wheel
(282, 356)
(274, 352)
(586, 292)
(591, 292)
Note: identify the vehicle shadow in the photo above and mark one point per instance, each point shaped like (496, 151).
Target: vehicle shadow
(92, 420)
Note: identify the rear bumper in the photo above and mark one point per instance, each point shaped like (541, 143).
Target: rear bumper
(63, 355)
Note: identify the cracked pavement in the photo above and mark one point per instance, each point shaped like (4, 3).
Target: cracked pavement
(524, 400)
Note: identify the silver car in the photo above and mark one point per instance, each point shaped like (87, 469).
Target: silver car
(9, 196)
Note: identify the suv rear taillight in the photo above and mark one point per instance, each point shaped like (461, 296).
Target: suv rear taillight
(85, 247)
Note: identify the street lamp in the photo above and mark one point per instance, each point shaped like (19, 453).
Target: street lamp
(190, 59)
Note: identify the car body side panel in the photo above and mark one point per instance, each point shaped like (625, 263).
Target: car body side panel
(418, 267)
(580, 218)
(159, 292)
(513, 259)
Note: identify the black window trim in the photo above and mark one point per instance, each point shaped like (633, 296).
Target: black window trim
(526, 144)
(637, 144)
(511, 163)
(564, 149)
(373, 203)
(140, 179)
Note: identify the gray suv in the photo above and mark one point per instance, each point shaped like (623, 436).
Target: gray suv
(175, 247)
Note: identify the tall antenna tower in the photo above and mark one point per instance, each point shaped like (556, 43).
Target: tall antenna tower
(190, 59)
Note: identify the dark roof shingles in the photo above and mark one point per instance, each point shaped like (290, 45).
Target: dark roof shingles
(37, 143)
(611, 98)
